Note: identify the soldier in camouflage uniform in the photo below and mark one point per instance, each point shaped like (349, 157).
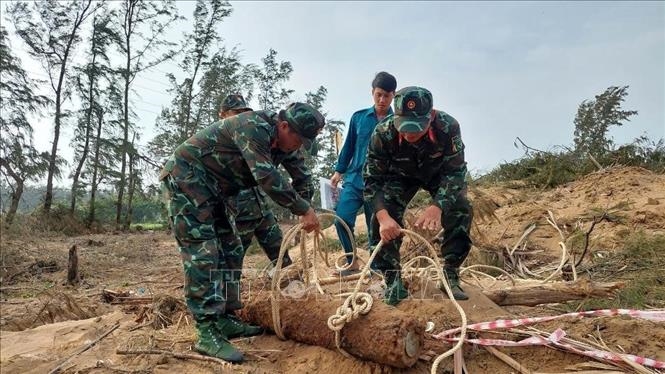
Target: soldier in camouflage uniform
(252, 215)
(236, 153)
(233, 104)
(418, 147)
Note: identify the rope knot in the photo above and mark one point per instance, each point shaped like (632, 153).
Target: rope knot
(354, 306)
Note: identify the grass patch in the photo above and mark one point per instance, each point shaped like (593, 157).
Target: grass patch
(148, 226)
(642, 267)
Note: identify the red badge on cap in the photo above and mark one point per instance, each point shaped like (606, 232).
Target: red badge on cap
(411, 104)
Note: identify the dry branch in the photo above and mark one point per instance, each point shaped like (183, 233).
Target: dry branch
(508, 360)
(83, 349)
(182, 356)
(548, 293)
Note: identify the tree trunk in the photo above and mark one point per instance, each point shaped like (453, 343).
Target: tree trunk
(125, 138)
(16, 198)
(95, 169)
(48, 197)
(18, 190)
(79, 167)
(549, 293)
(130, 187)
(385, 335)
(88, 124)
(127, 75)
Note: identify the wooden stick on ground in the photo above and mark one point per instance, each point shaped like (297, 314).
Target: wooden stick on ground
(83, 349)
(556, 292)
(182, 356)
(508, 360)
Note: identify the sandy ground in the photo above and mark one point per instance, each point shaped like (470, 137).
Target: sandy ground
(44, 323)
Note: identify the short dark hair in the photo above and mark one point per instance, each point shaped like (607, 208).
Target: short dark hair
(281, 115)
(384, 81)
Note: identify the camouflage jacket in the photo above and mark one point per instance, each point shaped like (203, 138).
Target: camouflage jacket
(248, 205)
(435, 163)
(235, 154)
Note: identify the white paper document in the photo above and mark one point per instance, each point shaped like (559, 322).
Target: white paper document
(329, 194)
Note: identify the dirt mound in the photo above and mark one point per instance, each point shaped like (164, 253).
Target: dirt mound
(38, 350)
(628, 198)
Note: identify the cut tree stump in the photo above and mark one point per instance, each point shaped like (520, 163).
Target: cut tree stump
(384, 335)
(548, 293)
(73, 277)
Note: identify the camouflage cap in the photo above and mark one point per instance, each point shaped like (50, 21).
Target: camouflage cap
(307, 122)
(234, 102)
(412, 109)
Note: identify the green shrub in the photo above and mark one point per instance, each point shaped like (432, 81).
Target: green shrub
(542, 169)
(641, 261)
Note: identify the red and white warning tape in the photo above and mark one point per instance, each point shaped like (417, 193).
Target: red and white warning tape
(556, 337)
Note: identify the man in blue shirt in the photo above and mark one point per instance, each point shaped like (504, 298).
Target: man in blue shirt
(352, 160)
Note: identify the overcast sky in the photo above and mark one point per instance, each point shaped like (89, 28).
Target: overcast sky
(503, 69)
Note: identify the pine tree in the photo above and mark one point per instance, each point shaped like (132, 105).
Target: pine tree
(143, 31)
(270, 78)
(223, 75)
(208, 14)
(594, 119)
(105, 144)
(19, 160)
(51, 31)
(95, 72)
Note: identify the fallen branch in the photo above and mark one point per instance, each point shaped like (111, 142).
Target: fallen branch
(124, 297)
(586, 237)
(548, 293)
(181, 356)
(526, 234)
(26, 288)
(140, 326)
(83, 349)
(508, 360)
(595, 162)
(132, 300)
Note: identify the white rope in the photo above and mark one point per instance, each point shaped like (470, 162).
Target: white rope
(286, 240)
(360, 303)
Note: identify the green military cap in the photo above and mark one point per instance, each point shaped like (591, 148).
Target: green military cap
(308, 122)
(234, 102)
(412, 109)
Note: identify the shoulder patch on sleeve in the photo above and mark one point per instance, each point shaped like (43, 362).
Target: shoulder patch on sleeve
(457, 144)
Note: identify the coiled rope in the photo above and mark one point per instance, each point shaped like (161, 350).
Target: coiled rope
(286, 240)
(359, 303)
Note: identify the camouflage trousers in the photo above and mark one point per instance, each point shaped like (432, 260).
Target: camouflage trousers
(456, 222)
(212, 267)
(267, 233)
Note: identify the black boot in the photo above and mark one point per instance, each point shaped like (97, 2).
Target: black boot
(452, 275)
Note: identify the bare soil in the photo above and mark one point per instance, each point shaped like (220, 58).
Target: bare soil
(45, 323)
